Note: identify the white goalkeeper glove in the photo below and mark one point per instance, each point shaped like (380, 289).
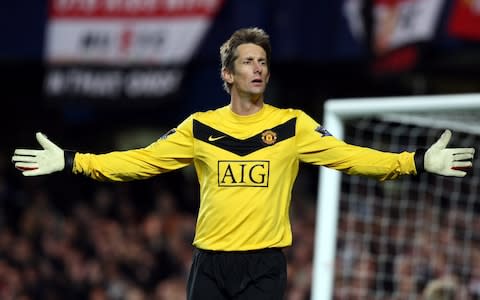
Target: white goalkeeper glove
(447, 161)
(40, 162)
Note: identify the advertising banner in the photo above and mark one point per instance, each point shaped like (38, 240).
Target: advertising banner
(122, 48)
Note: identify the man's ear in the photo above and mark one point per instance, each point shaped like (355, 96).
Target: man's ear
(227, 75)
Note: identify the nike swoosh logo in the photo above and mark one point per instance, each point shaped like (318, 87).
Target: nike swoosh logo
(213, 139)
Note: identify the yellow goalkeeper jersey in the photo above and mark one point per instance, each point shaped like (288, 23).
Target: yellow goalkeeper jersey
(246, 167)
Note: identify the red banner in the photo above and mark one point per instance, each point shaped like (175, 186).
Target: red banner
(465, 19)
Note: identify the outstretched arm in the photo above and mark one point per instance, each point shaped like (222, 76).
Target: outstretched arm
(172, 151)
(317, 146)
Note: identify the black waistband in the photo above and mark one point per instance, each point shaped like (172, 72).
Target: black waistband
(263, 250)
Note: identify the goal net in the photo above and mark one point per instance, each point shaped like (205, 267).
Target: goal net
(399, 239)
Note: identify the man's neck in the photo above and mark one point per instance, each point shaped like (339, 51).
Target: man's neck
(246, 106)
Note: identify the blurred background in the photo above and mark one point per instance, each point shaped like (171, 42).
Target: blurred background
(102, 75)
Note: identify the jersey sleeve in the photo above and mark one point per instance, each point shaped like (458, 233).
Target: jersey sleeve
(172, 151)
(315, 145)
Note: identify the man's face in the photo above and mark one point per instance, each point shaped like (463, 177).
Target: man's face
(250, 72)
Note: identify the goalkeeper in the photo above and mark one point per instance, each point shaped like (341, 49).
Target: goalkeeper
(246, 155)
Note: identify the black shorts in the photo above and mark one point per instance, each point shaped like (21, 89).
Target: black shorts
(238, 275)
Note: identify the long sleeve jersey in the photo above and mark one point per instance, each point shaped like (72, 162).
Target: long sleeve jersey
(246, 167)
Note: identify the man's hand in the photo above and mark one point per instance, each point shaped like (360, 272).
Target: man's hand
(448, 161)
(39, 162)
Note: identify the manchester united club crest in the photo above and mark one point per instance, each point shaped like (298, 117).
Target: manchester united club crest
(269, 137)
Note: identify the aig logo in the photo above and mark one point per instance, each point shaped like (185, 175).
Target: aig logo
(254, 173)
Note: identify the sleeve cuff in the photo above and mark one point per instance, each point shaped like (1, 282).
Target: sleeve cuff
(69, 157)
(419, 157)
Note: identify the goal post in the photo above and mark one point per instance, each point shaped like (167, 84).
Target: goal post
(458, 112)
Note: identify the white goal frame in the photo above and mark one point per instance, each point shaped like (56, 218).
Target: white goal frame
(336, 111)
